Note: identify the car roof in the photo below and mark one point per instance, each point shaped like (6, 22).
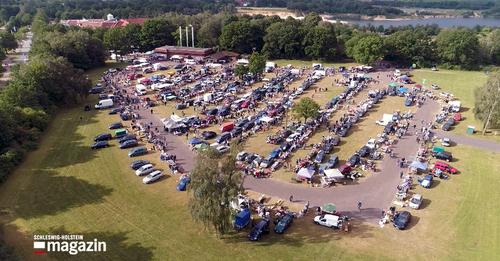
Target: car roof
(155, 173)
(331, 217)
(146, 166)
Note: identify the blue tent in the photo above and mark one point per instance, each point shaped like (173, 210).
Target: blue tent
(403, 90)
(242, 219)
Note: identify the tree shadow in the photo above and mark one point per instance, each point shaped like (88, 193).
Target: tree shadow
(435, 183)
(53, 193)
(76, 148)
(303, 231)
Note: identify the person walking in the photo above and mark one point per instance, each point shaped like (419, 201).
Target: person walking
(401, 175)
(359, 205)
(291, 198)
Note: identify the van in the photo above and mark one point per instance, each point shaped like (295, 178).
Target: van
(141, 89)
(104, 104)
(137, 151)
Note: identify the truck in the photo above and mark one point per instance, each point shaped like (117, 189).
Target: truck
(103, 104)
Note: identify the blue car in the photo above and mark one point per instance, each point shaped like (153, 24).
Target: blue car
(274, 154)
(99, 145)
(127, 137)
(332, 161)
(137, 151)
(102, 137)
(283, 224)
(427, 181)
(319, 157)
(183, 183)
(258, 230)
(128, 144)
(242, 219)
(136, 164)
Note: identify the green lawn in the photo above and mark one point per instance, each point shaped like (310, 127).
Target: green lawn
(64, 187)
(461, 84)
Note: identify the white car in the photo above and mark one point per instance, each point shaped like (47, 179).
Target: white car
(154, 176)
(445, 142)
(371, 144)
(328, 220)
(415, 201)
(144, 170)
(222, 149)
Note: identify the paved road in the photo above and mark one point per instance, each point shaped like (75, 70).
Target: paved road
(20, 55)
(470, 141)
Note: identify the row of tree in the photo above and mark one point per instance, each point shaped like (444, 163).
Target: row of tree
(52, 78)
(7, 42)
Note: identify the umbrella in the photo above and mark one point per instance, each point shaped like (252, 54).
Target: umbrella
(329, 208)
(393, 84)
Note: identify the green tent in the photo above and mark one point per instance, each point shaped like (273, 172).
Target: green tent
(393, 84)
(329, 208)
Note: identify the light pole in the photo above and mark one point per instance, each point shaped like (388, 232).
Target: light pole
(192, 35)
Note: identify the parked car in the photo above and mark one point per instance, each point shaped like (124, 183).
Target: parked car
(103, 136)
(415, 201)
(443, 155)
(137, 151)
(446, 126)
(266, 163)
(364, 151)
(127, 137)
(116, 125)
(128, 144)
(426, 182)
(183, 182)
(332, 161)
(457, 116)
(136, 164)
(223, 137)
(208, 135)
(241, 156)
(283, 223)
(328, 220)
(402, 219)
(144, 170)
(445, 167)
(262, 227)
(99, 145)
(319, 157)
(353, 160)
(237, 131)
(154, 176)
(445, 142)
(115, 111)
(222, 148)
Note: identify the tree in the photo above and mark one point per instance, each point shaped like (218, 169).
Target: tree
(257, 63)
(409, 47)
(320, 42)
(284, 40)
(490, 45)
(116, 41)
(156, 33)
(487, 105)
(240, 70)
(210, 31)
(366, 48)
(215, 183)
(458, 47)
(241, 36)
(307, 108)
(7, 41)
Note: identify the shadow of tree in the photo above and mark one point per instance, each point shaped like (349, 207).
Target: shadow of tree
(51, 194)
(76, 147)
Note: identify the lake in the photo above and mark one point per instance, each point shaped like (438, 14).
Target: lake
(441, 22)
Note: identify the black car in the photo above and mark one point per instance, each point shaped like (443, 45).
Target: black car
(125, 116)
(136, 164)
(343, 132)
(96, 90)
(248, 126)
(103, 136)
(224, 111)
(259, 229)
(115, 111)
(236, 132)
(446, 126)
(128, 144)
(116, 125)
(208, 135)
(335, 141)
(99, 145)
(180, 106)
(223, 137)
(283, 223)
(364, 151)
(402, 219)
(443, 155)
(389, 128)
(354, 160)
(242, 123)
(127, 137)
(212, 112)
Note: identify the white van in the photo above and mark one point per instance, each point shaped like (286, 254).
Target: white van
(103, 104)
(141, 89)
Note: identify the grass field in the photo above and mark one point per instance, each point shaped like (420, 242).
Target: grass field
(462, 85)
(64, 187)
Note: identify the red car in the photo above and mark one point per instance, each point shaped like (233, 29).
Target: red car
(445, 167)
(457, 116)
